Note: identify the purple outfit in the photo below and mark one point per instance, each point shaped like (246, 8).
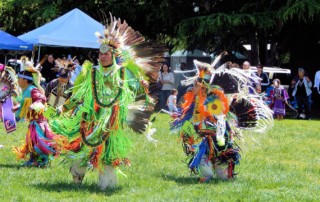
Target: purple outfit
(279, 95)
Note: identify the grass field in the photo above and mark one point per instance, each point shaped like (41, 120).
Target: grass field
(280, 165)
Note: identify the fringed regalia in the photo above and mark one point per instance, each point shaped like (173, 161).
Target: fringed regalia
(209, 120)
(8, 89)
(41, 143)
(106, 99)
(279, 96)
(99, 108)
(8, 82)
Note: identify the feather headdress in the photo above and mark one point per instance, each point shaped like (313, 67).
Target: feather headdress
(142, 58)
(35, 73)
(65, 63)
(129, 46)
(248, 108)
(8, 82)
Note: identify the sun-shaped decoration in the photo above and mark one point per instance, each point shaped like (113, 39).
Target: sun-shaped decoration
(217, 102)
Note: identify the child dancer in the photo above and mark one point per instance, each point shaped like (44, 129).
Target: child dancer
(279, 97)
(40, 143)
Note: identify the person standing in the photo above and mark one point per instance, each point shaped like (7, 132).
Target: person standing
(279, 99)
(246, 66)
(167, 80)
(76, 70)
(264, 82)
(49, 70)
(301, 85)
(317, 91)
(251, 84)
(317, 81)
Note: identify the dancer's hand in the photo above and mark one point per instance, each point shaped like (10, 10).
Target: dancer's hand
(15, 108)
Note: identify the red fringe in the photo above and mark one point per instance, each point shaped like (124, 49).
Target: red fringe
(95, 158)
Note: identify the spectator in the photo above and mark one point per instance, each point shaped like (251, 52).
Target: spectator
(264, 82)
(279, 99)
(317, 89)
(246, 65)
(172, 101)
(167, 80)
(317, 81)
(252, 85)
(302, 92)
(76, 71)
(49, 70)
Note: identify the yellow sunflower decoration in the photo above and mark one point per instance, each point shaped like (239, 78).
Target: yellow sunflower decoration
(217, 102)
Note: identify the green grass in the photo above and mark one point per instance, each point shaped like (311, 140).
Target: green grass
(280, 165)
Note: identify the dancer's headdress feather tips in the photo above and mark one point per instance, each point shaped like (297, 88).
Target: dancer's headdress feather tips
(127, 44)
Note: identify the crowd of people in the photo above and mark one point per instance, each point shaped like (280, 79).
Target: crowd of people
(295, 96)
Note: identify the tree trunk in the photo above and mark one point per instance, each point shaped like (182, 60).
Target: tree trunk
(254, 49)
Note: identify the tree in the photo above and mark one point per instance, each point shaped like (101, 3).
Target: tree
(210, 25)
(228, 24)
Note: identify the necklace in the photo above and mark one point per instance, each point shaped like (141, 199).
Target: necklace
(95, 91)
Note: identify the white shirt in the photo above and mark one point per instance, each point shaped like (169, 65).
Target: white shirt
(75, 73)
(317, 81)
(167, 77)
(172, 103)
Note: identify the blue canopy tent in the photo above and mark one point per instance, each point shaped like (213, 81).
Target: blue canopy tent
(9, 42)
(73, 29)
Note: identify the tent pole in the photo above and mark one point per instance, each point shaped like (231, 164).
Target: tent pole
(15, 66)
(39, 53)
(33, 54)
(5, 59)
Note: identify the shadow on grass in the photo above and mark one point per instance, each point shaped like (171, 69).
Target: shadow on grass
(193, 180)
(180, 180)
(16, 166)
(69, 186)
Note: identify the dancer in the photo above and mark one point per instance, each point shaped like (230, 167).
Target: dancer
(204, 126)
(57, 88)
(107, 97)
(40, 144)
(8, 87)
(279, 99)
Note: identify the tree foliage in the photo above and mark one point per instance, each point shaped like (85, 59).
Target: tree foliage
(210, 25)
(240, 19)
